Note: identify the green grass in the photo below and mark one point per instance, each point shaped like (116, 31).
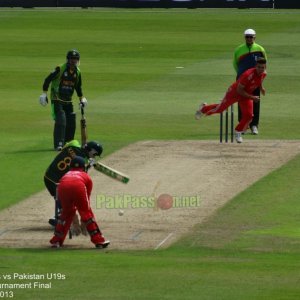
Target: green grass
(196, 273)
(250, 248)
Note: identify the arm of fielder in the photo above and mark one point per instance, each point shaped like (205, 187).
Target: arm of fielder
(111, 172)
(241, 91)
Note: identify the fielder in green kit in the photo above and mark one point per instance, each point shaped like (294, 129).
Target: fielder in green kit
(64, 80)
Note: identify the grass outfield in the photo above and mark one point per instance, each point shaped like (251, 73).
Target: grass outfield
(130, 60)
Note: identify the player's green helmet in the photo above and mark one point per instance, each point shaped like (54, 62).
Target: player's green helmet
(73, 54)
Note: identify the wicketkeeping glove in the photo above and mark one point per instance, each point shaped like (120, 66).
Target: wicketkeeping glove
(75, 226)
(83, 228)
(44, 99)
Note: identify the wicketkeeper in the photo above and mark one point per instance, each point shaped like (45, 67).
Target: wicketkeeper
(74, 191)
(61, 165)
(64, 80)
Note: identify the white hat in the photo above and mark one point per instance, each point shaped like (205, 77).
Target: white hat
(250, 32)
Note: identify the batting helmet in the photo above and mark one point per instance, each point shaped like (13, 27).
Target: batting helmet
(77, 162)
(73, 54)
(94, 146)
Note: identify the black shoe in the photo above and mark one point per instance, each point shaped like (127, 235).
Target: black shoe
(52, 222)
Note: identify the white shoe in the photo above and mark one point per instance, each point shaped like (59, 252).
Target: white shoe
(238, 137)
(102, 245)
(56, 245)
(254, 130)
(199, 113)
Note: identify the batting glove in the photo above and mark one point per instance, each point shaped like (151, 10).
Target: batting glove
(83, 102)
(92, 161)
(44, 99)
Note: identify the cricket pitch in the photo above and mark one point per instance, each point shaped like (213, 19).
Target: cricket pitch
(192, 179)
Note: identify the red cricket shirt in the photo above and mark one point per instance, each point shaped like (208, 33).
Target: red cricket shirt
(250, 80)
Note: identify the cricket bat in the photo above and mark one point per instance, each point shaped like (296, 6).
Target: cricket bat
(83, 127)
(111, 172)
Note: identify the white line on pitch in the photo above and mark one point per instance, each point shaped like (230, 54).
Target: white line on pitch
(2, 232)
(136, 236)
(164, 240)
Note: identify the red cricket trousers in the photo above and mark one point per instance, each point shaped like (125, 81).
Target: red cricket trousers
(230, 98)
(73, 196)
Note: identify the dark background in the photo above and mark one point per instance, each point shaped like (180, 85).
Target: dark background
(154, 3)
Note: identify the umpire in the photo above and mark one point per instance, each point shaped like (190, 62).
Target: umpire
(64, 80)
(245, 57)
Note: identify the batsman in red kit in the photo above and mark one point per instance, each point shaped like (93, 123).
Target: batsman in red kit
(74, 191)
(240, 91)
